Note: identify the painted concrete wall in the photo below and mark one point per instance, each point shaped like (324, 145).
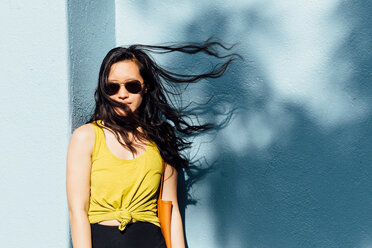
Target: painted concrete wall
(292, 167)
(91, 26)
(34, 107)
(291, 162)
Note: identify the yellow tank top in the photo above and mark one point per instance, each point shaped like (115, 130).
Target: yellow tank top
(124, 190)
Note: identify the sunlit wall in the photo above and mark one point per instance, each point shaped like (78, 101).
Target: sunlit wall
(290, 157)
(35, 125)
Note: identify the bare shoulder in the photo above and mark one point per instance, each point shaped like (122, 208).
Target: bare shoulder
(85, 130)
(170, 171)
(83, 136)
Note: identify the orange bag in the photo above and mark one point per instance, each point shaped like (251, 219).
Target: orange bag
(165, 212)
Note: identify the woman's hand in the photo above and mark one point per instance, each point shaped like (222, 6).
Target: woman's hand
(170, 194)
(78, 184)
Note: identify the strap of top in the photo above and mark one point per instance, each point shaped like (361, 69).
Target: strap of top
(164, 166)
(97, 140)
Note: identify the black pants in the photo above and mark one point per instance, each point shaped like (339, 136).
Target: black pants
(135, 235)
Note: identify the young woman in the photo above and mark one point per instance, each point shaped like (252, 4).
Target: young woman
(114, 161)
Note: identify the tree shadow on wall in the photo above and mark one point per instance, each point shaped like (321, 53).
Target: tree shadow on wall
(230, 97)
(311, 187)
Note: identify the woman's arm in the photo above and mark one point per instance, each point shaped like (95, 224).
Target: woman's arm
(78, 184)
(170, 194)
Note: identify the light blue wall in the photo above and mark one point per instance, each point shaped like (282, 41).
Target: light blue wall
(91, 27)
(35, 123)
(291, 165)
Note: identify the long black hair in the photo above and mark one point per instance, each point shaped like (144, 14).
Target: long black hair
(159, 119)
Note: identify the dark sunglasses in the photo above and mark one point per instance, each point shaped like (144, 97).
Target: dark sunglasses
(133, 87)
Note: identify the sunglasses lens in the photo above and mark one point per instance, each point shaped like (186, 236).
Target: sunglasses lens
(111, 89)
(133, 87)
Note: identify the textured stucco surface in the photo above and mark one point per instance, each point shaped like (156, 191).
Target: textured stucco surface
(91, 27)
(35, 123)
(293, 164)
(291, 160)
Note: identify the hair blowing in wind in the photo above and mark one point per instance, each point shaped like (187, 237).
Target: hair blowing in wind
(159, 119)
